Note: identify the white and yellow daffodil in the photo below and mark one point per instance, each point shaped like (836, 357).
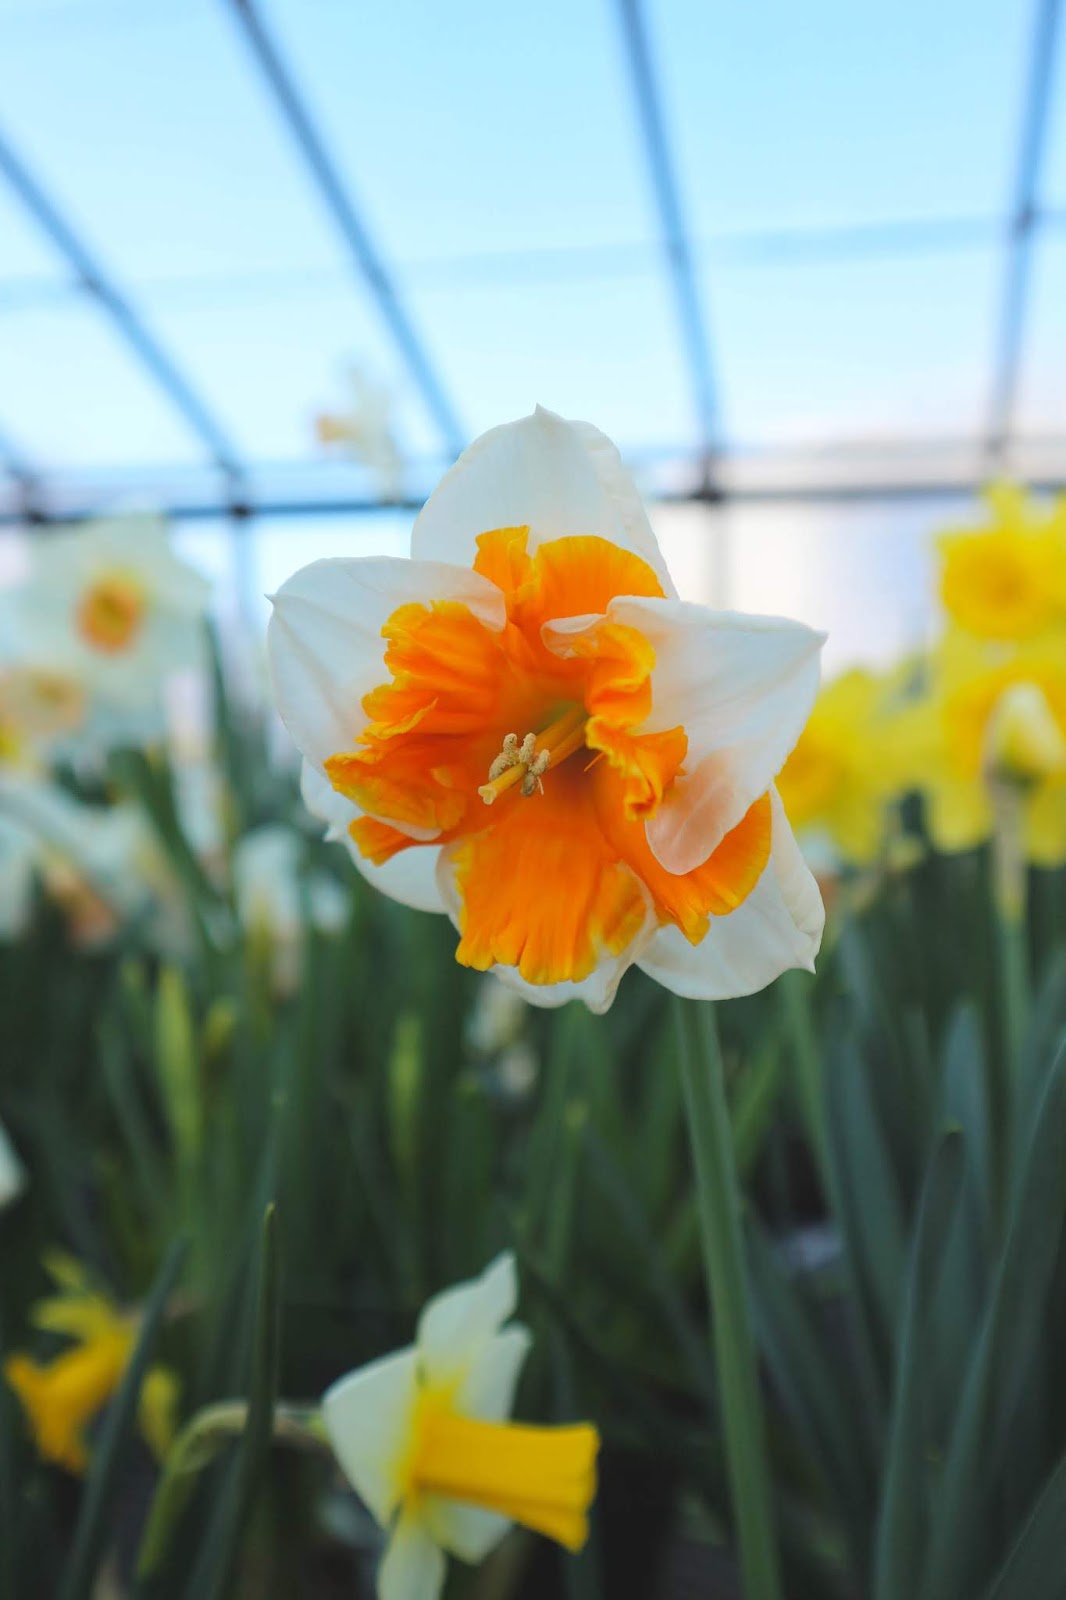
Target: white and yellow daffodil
(112, 606)
(269, 900)
(423, 1438)
(12, 1172)
(102, 865)
(364, 430)
(523, 726)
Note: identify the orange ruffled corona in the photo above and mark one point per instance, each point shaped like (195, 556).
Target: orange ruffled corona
(553, 869)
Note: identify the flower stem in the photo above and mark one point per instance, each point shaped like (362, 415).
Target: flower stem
(1010, 888)
(794, 990)
(718, 1205)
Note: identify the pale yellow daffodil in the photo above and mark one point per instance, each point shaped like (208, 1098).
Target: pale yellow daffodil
(63, 1396)
(424, 1439)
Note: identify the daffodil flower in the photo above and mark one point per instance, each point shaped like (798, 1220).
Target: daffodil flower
(266, 885)
(423, 1438)
(63, 1396)
(991, 717)
(523, 726)
(839, 781)
(1006, 580)
(114, 607)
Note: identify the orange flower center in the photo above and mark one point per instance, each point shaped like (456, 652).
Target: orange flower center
(111, 612)
(527, 751)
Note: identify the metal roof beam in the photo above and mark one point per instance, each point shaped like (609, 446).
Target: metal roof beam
(338, 199)
(1024, 217)
(95, 281)
(675, 237)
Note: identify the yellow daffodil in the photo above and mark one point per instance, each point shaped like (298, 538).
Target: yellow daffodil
(523, 726)
(1007, 579)
(424, 1439)
(991, 717)
(63, 1396)
(841, 777)
(111, 605)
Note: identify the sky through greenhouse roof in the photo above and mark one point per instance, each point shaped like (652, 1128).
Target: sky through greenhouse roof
(770, 249)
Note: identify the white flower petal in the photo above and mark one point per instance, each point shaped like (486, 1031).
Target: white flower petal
(464, 1531)
(779, 926)
(456, 1325)
(560, 478)
(368, 1417)
(488, 1390)
(324, 639)
(742, 687)
(414, 1566)
(410, 877)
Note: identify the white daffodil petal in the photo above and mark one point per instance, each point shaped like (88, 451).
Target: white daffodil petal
(558, 478)
(455, 1325)
(742, 688)
(464, 1531)
(368, 1417)
(413, 1567)
(12, 1174)
(488, 1389)
(779, 926)
(324, 641)
(410, 877)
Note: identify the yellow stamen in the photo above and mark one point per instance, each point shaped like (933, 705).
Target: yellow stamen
(544, 1478)
(517, 764)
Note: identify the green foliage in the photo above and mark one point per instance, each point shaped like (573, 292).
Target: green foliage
(902, 1160)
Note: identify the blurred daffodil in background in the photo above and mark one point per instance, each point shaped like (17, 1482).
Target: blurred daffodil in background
(363, 429)
(112, 607)
(63, 1396)
(992, 718)
(524, 727)
(269, 891)
(840, 782)
(1006, 579)
(424, 1438)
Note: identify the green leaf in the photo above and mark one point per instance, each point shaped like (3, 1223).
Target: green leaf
(1035, 1569)
(820, 1396)
(214, 1573)
(900, 1527)
(99, 1496)
(718, 1201)
(1002, 1351)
